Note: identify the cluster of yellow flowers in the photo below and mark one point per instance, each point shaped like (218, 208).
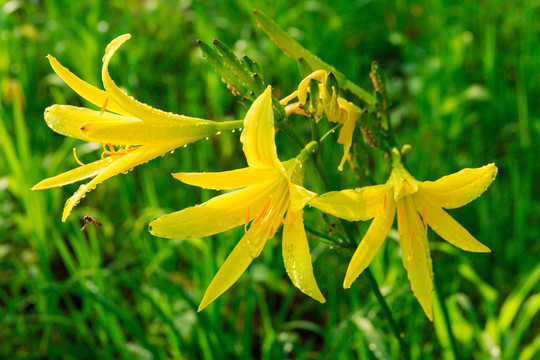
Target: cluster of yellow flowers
(270, 191)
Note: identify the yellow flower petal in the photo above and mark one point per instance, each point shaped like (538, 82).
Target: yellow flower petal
(233, 179)
(140, 133)
(233, 267)
(77, 174)
(345, 138)
(119, 164)
(403, 182)
(258, 136)
(300, 196)
(458, 189)
(130, 105)
(447, 228)
(297, 257)
(415, 253)
(218, 214)
(318, 75)
(354, 205)
(67, 120)
(91, 93)
(371, 243)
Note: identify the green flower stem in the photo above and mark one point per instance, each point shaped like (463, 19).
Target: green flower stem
(309, 149)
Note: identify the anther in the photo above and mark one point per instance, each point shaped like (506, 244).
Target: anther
(104, 106)
(264, 210)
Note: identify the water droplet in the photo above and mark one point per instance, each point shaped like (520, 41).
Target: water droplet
(172, 151)
(185, 145)
(219, 132)
(208, 137)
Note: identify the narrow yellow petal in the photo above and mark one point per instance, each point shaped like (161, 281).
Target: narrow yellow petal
(371, 243)
(415, 253)
(119, 164)
(233, 179)
(218, 214)
(299, 197)
(89, 92)
(318, 75)
(458, 189)
(77, 174)
(140, 133)
(258, 136)
(126, 102)
(345, 138)
(447, 228)
(297, 257)
(354, 205)
(233, 267)
(67, 120)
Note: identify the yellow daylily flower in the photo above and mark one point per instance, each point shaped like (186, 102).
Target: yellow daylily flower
(337, 109)
(122, 121)
(272, 194)
(418, 205)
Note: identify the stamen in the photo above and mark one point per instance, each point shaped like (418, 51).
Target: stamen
(76, 158)
(284, 222)
(104, 107)
(424, 215)
(111, 148)
(247, 220)
(264, 210)
(294, 217)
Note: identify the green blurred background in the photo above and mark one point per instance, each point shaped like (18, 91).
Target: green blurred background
(463, 79)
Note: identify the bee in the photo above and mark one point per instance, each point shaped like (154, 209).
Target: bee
(89, 220)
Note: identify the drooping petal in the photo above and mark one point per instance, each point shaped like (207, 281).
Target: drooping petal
(218, 214)
(354, 205)
(233, 179)
(67, 120)
(234, 266)
(77, 174)
(447, 228)
(89, 92)
(297, 257)
(458, 189)
(120, 164)
(142, 111)
(371, 243)
(345, 138)
(318, 75)
(415, 253)
(258, 136)
(140, 132)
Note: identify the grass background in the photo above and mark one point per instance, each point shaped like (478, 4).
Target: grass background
(463, 79)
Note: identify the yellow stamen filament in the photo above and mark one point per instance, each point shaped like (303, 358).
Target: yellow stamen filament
(284, 222)
(384, 203)
(424, 215)
(264, 210)
(76, 158)
(104, 106)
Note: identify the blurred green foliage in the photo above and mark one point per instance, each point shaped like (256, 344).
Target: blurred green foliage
(463, 81)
